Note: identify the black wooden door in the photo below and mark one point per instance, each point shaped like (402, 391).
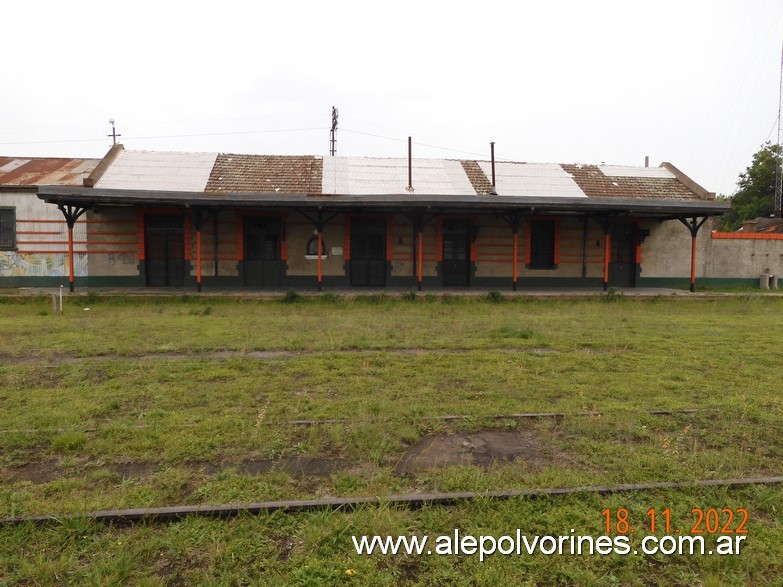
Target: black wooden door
(368, 252)
(455, 266)
(263, 266)
(622, 265)
(165, 249)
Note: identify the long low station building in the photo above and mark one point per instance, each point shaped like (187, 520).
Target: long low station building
(209, 220)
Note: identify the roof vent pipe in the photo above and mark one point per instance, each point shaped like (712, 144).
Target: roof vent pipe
(646, 160)
(494, 191)
(410, 166)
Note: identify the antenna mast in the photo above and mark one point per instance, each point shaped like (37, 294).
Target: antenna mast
(779, 160)
(332, 140)
(113, 134)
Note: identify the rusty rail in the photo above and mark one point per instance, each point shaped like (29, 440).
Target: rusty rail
(409, 501)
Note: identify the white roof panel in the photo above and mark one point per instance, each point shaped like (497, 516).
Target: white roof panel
(368, 176)
(629, 171)
(532, 179)
(14, 164)
(163, 171)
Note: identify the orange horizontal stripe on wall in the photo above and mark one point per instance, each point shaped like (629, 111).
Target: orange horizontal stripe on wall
(48, 220)
(130, 252)
(39, 232)
(49, 252)
(50, 242)
(107, 221)
(80, 221)
(58, 242)
(506, 247)
(111, 233)
(761, 236)
(501, 238)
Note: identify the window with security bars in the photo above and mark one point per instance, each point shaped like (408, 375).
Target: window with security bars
(542, 244)
(7, 228)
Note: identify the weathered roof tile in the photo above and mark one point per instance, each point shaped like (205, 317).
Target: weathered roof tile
(266, 174)
(595, 184)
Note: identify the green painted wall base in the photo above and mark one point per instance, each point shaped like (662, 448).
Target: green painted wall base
(28, 281)
(309, 283)
(684, 282)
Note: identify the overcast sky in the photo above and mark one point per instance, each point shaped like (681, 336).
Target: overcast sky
(695, 83)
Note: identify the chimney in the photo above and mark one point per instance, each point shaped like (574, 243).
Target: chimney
(494, 190)
(646, 160)
(750, 225)
(410, 166)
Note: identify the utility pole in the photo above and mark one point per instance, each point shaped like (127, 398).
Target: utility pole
(779, 159)
(332, 141)
(113, 134)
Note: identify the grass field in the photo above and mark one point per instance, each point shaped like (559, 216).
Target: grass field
(168, 401)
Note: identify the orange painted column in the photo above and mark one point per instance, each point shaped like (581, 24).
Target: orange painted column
(198, 259)
(320, 266)
(693, 263)
(607, 256)
(70, 258)
(420, 258)
(515, 259)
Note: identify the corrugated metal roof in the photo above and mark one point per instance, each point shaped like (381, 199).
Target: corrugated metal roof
(643, 172)
(151, 170)
(369, 176)
(32, 171)
(532, 179)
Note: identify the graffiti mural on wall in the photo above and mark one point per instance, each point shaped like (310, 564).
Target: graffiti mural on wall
(13, 264)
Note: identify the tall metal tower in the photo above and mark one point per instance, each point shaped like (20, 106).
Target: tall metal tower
(332, 140)
(778, 171)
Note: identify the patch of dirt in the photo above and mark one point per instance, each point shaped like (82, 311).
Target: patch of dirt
(475, 448)
(301, 466)
(134, 470)
(482, 448)
(298, 466)
(42, 472)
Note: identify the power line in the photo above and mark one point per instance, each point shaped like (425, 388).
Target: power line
(405, 133)
(388, 138)
(138, 138)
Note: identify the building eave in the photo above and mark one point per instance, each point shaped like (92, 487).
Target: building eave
(640, 207)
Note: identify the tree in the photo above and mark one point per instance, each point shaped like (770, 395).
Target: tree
(755, 195)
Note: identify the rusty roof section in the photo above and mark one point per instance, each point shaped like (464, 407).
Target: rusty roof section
(595, 184)
(477, 178)
(764, 225)
(267, 174)
(33, 171)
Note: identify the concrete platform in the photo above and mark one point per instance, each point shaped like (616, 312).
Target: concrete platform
(538, 293)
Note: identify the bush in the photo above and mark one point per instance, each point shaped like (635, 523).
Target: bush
(494, 297)
(69, 440)
(330, 298)
(291, 297)
(612, 295)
